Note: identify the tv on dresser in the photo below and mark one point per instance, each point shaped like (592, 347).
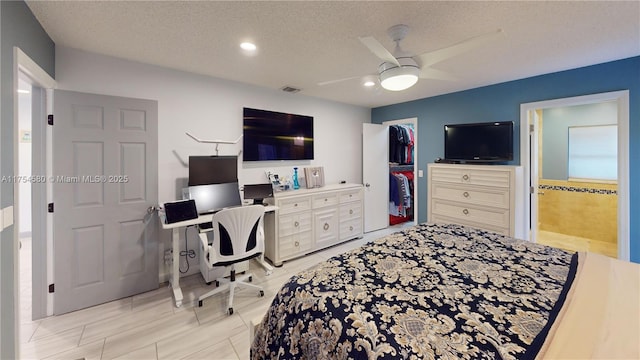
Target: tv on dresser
(485, 142)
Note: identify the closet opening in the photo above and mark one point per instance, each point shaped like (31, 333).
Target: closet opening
(402, 172)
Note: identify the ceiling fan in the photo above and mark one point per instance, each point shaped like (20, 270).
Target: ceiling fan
(400, 70)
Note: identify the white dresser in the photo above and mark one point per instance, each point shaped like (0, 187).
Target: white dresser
(482, 196)
(312, 219)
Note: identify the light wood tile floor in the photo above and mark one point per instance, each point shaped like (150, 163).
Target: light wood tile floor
(575, 243)
(149, 326)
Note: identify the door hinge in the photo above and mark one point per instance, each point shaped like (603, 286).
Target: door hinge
(531, 190)
(531, 127)
(50, 119)
(52, 288)
(50, 207)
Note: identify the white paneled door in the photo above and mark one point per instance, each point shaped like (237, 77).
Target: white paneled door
(375, 176)
(105, 179)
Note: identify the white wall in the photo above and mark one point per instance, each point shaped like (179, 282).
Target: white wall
(211, 108)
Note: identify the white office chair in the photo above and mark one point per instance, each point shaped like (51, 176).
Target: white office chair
(238, 235)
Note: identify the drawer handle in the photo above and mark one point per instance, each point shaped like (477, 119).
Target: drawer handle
(296, 224)
(295, 205)
(350, 211)
(465, 211)
(465, 177)
(465, 194)
(350, 228)
(297, 243)
(326, 226)
(350, 195)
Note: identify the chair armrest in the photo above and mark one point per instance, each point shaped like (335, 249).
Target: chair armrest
(204, 243)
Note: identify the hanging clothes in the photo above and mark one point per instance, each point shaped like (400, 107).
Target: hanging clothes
(401, 141)
(410, 144)
(396, 140)
(400, 197)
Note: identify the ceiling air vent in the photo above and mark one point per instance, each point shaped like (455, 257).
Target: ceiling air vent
(290, 89)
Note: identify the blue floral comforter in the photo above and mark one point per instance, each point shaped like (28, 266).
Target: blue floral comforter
(429, 292)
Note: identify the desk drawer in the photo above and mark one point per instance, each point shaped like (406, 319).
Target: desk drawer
(294, 205)
(495, 197)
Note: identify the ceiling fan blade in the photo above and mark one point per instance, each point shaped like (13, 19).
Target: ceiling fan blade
(337, 80)
(433, 57)
(429, 73)
(378, 50)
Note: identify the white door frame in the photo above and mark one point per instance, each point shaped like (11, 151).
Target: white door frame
(622, 99)
(23, 63)
(414, 122)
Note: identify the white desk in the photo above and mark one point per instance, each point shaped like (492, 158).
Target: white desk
(174, 279)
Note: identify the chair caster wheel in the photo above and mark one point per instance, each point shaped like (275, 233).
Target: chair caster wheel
(217, 283)
(209, 283)
(199, 303)
(250, 278)
(230, 311)
(261, 293)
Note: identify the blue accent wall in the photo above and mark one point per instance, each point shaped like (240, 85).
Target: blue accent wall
(501, 102)
(18, 27)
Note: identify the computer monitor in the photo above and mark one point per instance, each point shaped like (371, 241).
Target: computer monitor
(215, 197)
(258, 192)
(205, 170)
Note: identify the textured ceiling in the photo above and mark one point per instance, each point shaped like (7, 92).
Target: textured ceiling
(303, 43)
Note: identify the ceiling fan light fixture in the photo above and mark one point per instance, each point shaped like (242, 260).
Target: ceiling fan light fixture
(248, 46)
(399, 78)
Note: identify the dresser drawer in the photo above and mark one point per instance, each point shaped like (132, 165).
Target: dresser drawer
(493, 197)
(438, 219)
(294, 245)
(350, 211)
(471, 176)
(294, 205)
(350, 229)
(497, 218)
(294, 223)
(350, 195)
(322, 200)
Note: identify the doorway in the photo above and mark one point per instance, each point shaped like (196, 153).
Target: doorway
(30, 197)
(376, 173)
(403, 209)
(24, 190)
(567, 207)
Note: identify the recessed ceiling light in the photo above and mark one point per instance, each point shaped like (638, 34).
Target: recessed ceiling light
(369, 83)
(22, 91)
(248, 46)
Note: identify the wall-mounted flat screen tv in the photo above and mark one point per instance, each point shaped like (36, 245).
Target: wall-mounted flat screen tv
(270, 135)
(479, 142)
